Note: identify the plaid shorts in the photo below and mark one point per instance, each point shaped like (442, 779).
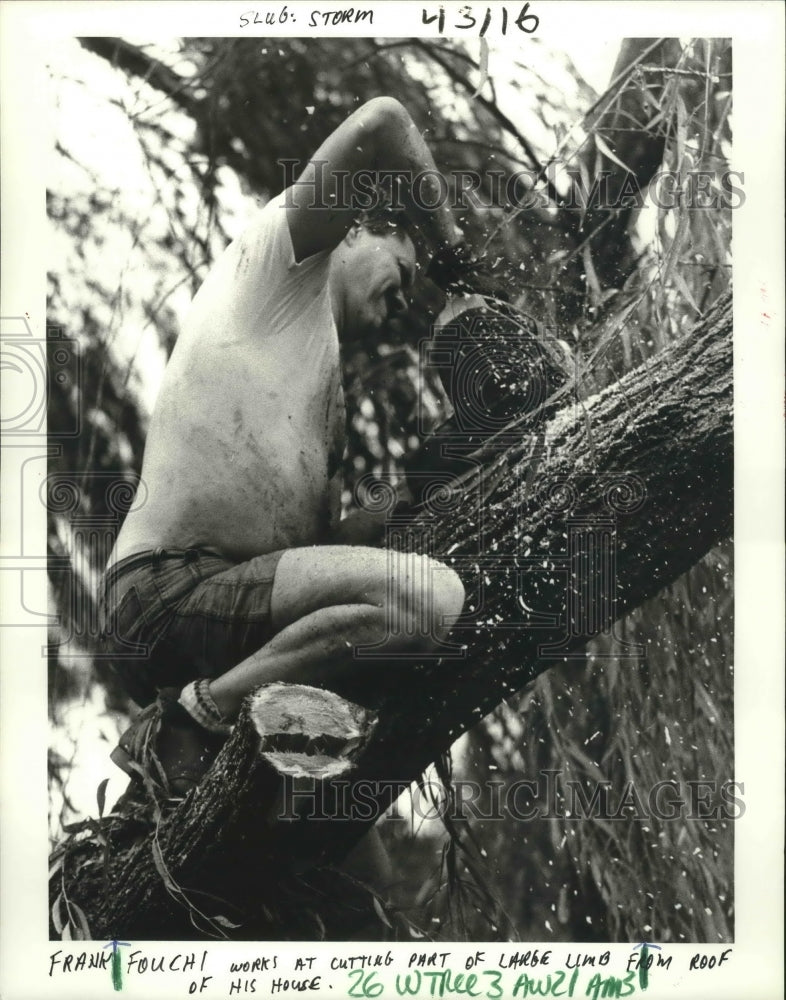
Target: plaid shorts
(169, 616)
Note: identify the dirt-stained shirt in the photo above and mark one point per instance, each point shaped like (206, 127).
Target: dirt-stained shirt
(248, 430)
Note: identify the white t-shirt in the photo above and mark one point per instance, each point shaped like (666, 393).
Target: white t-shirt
(249, 426)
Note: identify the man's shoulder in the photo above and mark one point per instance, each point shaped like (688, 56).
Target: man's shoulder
(268, 236)
(268, 223)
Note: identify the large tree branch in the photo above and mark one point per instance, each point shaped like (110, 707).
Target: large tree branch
(611, 170)
(631, 128)
(649, 460)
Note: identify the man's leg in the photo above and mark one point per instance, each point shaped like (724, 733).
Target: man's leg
(295, 616)
(328, 600)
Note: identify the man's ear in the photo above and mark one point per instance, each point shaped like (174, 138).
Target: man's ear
(353, 233)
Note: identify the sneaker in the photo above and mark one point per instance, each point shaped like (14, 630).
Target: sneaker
(166, 749)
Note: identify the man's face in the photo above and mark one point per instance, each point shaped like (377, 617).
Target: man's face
(377, 273)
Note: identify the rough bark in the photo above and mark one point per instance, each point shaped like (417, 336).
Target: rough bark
(653, 455)
(612, 500)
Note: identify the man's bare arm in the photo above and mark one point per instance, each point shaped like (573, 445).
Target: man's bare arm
(379, 136)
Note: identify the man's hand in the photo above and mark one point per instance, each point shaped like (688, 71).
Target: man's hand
(362, 527)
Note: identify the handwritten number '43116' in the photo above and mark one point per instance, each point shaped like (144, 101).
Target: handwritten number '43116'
(525, 22)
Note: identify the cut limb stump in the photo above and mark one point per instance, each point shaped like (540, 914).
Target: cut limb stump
(641, 472)
(233, 855)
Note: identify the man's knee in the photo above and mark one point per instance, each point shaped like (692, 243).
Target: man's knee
(426, 599)
(448, 593)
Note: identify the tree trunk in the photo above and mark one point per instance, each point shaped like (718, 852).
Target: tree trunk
(606, 191)
(556, 535)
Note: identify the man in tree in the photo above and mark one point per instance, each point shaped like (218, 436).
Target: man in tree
(232, 570)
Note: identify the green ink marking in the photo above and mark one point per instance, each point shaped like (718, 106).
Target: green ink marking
(116, 966)
(643, 973)
(117, 970)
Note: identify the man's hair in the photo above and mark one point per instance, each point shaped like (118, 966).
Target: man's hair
(383, 220)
